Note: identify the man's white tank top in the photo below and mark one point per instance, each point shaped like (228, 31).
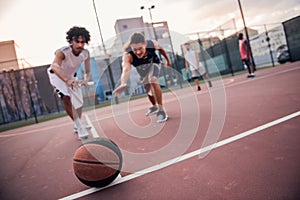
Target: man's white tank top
(71, 62)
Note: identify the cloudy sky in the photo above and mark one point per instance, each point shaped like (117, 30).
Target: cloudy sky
(39, 26)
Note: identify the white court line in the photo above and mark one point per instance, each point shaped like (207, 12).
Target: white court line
(172, 99)
(184, 157)
(140, 108)
(93, 130)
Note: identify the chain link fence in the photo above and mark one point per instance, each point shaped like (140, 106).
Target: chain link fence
(27, 93)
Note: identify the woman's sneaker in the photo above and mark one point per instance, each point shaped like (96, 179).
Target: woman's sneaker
(161, 116)
(152, 111)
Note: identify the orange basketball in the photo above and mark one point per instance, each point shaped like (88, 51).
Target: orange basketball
(98, 162)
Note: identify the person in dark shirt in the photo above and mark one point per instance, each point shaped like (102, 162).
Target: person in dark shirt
(141, 54)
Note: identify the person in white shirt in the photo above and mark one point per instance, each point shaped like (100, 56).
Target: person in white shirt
(192, 62)
(62, 74)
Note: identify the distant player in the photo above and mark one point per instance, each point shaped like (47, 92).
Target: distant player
(141, 54)
(192, 61)
(62, 71)
(245, 53)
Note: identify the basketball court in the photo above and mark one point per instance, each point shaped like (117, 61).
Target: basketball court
(245, 150)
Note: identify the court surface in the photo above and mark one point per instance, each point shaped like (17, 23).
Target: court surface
(240, 141)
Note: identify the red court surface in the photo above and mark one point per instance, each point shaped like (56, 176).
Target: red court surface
(256, 155)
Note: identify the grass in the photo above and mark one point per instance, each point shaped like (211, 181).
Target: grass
(18, 124)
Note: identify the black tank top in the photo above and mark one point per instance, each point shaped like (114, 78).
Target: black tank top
(151, 56)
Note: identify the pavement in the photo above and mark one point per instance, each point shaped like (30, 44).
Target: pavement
(236, 140)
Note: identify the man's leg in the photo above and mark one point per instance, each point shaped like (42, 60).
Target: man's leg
(69, 107)
(151, 98)
(156, 91)
(246, 62)
(154, 108)
(75, 116)
(250, 68)
(208, 79)
(152, 79)
(195, 76)
(63, 92)
(196, 80)
(153, 70)
(161, 114)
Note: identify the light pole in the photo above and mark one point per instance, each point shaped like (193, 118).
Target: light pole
(152, 24)
(99, 27)
(155, 37)
(105, 53)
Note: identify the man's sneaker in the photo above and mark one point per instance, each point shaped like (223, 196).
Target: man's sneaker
(251, 75)
(87, 127)
(152, 110)
(161, 116)
(82, 133)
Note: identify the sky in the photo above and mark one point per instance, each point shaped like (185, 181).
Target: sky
(39, 26)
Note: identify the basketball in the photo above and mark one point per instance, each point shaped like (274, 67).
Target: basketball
(98, 162)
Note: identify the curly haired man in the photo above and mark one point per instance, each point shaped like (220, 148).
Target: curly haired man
(62, 74)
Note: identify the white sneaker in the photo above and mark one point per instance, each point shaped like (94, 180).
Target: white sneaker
(87, 127)
(82, 133)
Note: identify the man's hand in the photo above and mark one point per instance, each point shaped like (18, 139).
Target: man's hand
(168, 64)
(117, 92)
(75, 83)
(71, 83)
(83, 83)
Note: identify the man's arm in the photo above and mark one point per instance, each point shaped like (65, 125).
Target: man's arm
(126, 66)
(87, 70)
(186, 64)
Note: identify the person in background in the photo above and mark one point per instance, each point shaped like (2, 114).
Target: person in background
(245, 53)
(192, 61)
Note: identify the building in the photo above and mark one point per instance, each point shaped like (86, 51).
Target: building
(125, 27)
(157, 31)
(9, 59)
(274, 37)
